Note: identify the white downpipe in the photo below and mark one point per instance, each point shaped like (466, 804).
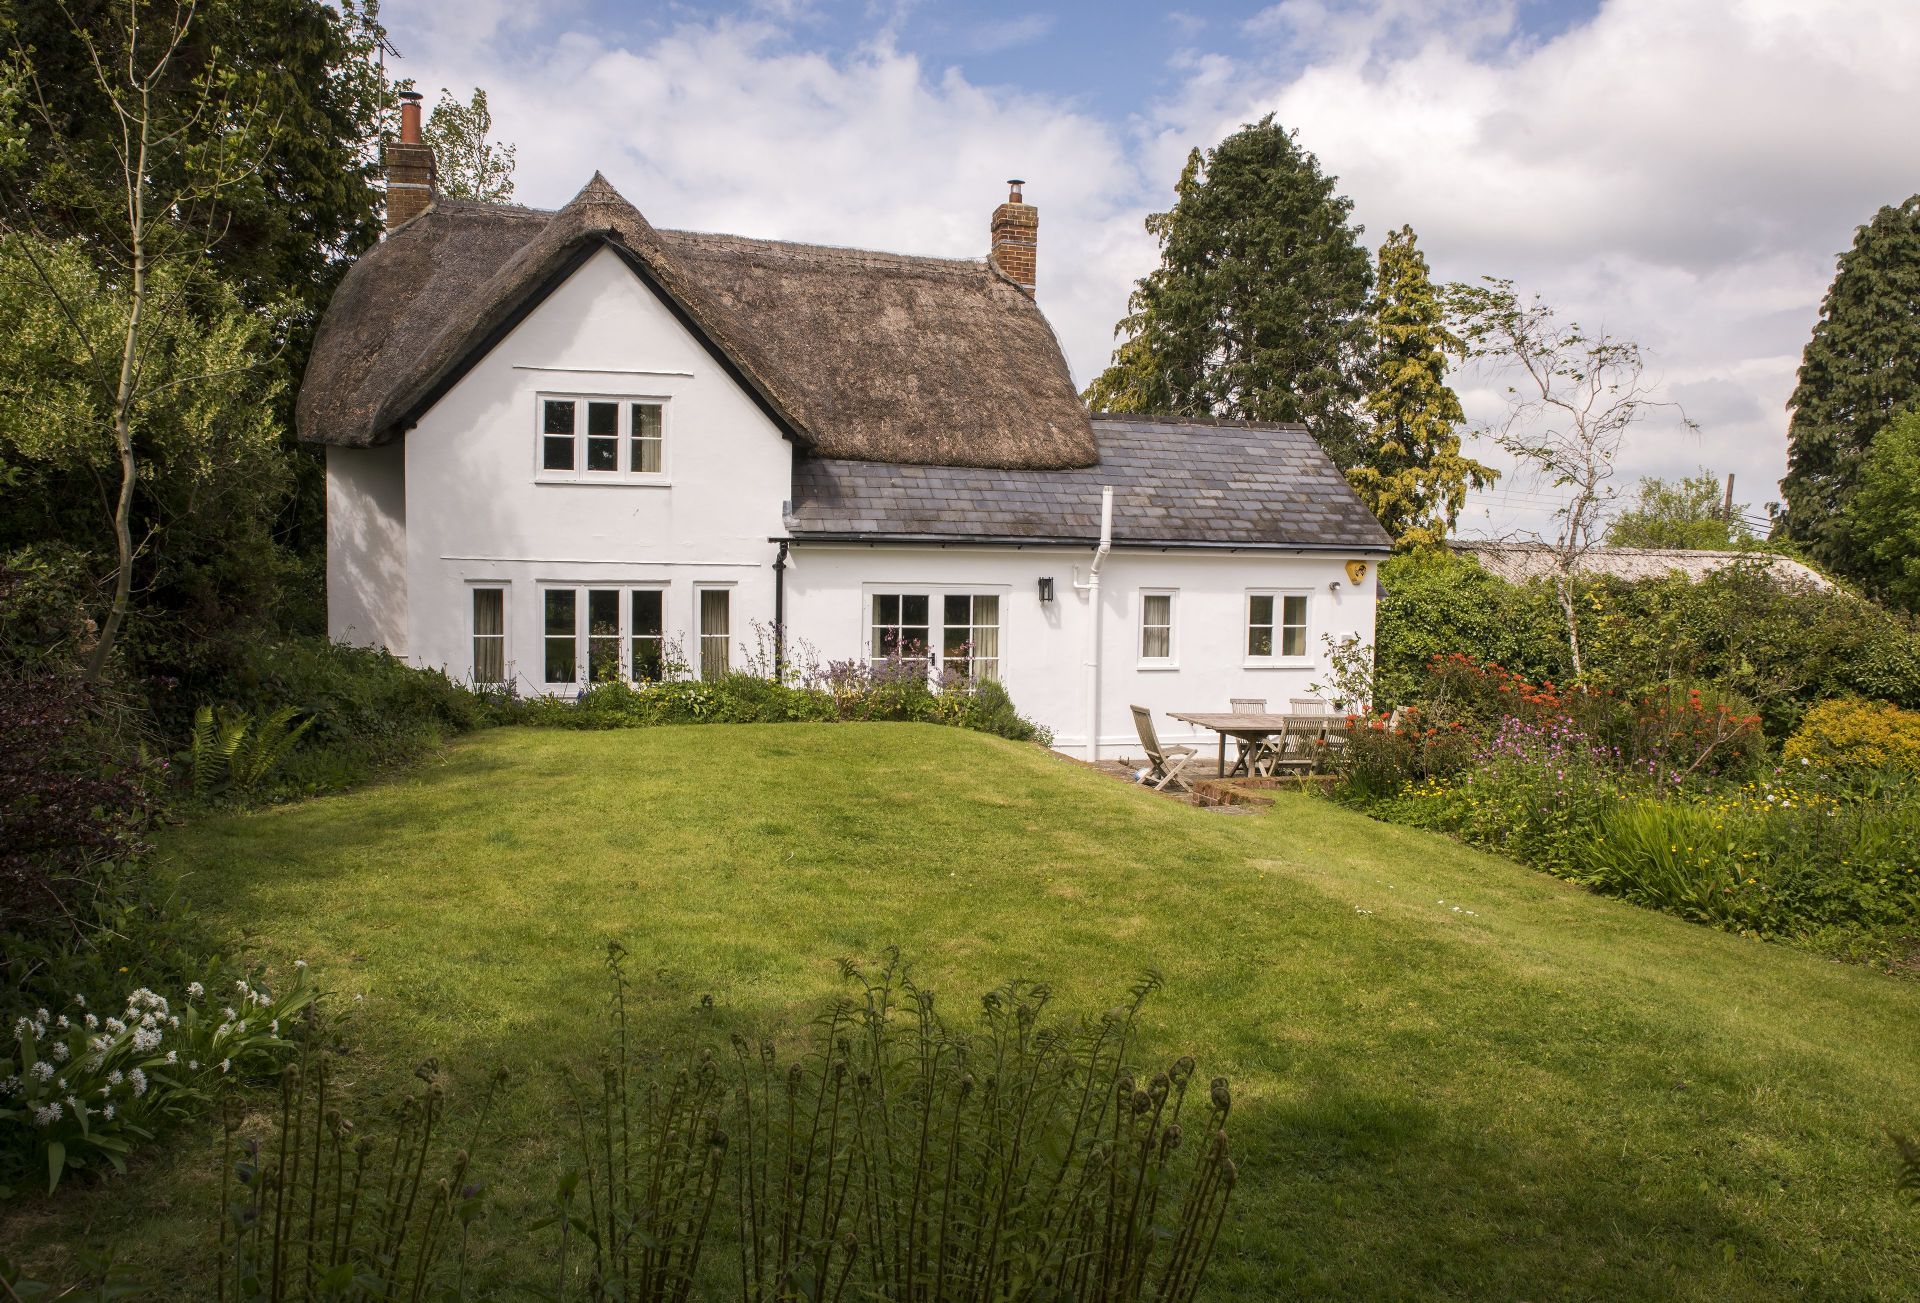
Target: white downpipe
(1092, 589)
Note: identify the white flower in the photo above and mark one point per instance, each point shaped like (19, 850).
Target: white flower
(40, 1071)
(115, 1026)
(228, 1014)
(193, 1065)
(92, 1022)
(80, 1000)
(225, 1064)
(107, 1112)
(299, 963)
(59, 1052)
(195, 990)
(173, 1022)
(47, 1114)
(79, 1110)
(173, 1056)
(145, 1039)
(275, 1026)
(62, 1023)
(139, 1080)
(41, 1015)
(22, 1028)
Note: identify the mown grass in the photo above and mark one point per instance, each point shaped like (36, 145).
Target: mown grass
(1537, 1094)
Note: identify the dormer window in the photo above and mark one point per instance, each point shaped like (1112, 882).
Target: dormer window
(594, 438)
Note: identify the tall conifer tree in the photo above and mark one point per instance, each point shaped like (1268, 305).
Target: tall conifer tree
(1860, 368)
(1258, 309)
(1413, 475)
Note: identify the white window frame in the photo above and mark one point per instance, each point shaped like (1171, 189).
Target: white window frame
(936, 595)
(582, 646)
(699, 632)
(1277, 660)
(935, 621)
(973, 596)
(1171, 661)
(623, 473)
(505, 635)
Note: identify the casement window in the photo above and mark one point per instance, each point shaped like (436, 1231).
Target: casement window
(966, 637)
(902, 625)
(489, 636)
(595, 438)
(562, 636)
(1276, 626)
(647, 633)
(599, 635)
(970, 640)
(716, 632)
(1156, 628)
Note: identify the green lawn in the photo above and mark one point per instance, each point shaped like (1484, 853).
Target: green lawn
(1537, 1094)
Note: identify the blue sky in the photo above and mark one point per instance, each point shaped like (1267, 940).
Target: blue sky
(1678, 172)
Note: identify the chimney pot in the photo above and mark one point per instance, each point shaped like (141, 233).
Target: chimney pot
(1013, 189)
(410, 117)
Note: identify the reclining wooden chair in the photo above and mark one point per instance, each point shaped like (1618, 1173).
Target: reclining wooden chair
(1166, 762)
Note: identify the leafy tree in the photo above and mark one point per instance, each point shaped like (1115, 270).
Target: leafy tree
(258, 184)
(470, 166)
(1684, 513)
(1572, 400)
(1258, 309)
(1881, 524)
(1861, 366)
(1414, 477)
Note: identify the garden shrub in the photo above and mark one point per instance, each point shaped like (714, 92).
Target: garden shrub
(897, 690)
(369, 710)
(1777, 649)
(1859, 738)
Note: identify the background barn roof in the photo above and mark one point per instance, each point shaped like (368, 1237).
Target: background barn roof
(1519, 562)
(869, 356)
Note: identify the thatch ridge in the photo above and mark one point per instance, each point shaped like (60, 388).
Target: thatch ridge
(857, 354)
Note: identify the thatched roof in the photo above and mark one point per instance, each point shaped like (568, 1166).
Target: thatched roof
(1519, 562)
(867, 356)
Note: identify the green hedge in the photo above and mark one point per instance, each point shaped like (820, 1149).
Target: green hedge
(1781, 649)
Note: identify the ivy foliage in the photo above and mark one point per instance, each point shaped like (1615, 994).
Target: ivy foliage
(1414, 476)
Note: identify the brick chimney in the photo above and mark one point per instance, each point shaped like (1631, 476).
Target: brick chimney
(410, 169)
(1016, 238)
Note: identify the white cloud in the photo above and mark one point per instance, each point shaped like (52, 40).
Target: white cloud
(1680, 172)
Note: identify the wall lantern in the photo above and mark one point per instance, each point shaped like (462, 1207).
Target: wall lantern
(1046, 588)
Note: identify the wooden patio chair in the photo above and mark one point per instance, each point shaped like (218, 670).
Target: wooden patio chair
(1257, 755)
(1328, 736)
(1166, 762)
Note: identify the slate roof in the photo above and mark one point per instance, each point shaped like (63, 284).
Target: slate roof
(1176, 483)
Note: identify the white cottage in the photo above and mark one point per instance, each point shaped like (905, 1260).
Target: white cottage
(562, 443)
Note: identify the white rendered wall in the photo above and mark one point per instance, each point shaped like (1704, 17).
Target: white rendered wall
(477, 513)
(367, 547)
(1044, 646)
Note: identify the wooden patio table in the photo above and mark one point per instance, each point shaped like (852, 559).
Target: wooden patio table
(1248, 728)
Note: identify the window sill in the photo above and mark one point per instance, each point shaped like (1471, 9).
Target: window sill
(1275, 663)
(609, 480)
(1155, 667)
